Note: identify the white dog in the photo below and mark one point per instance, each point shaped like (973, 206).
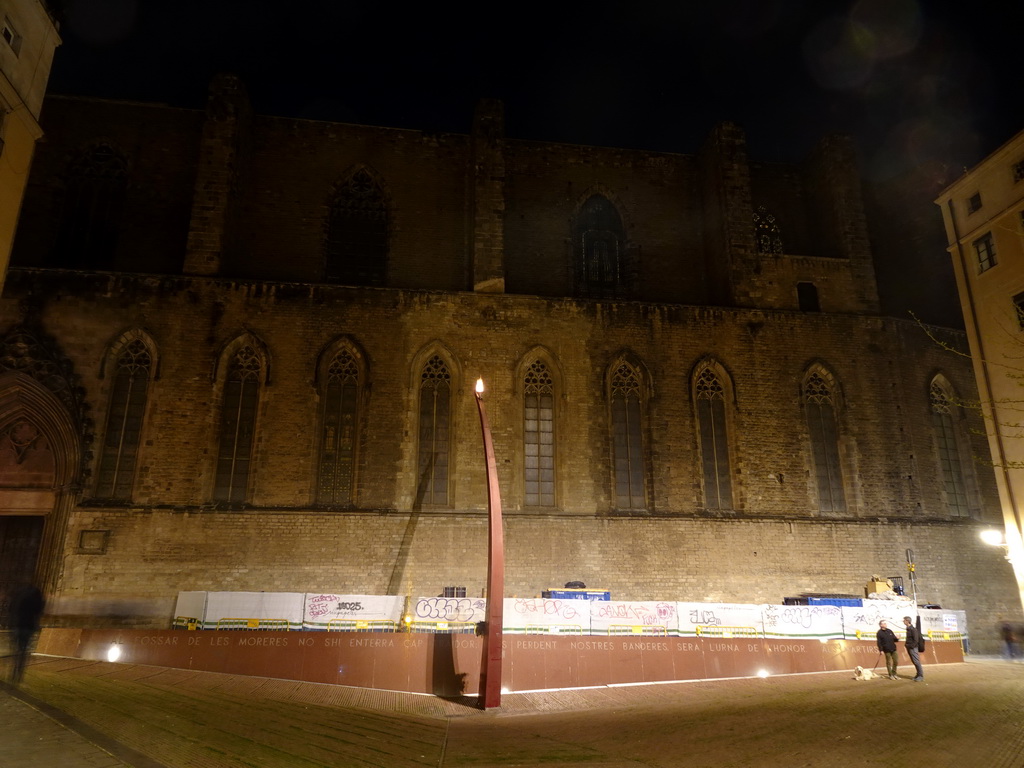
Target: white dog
(859, 673)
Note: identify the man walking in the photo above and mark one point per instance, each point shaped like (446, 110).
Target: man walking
(27, 605)
(913, 641)
(887, 643)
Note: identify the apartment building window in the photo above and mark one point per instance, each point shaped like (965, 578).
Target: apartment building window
(974, 202)
(1018, 171)
(986, 250)
(11, 36)
(1018, 306)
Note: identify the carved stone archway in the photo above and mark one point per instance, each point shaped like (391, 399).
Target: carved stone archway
(41, 450)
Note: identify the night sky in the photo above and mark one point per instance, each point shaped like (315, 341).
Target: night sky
(915, 84)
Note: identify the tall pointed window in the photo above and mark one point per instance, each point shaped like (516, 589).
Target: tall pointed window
(950, 463)
(714, 442)
(822, 428)
(435, 425)
(599, 248)
(357, 233)
(339, 438)
(767, 232)
(124, 422)
(238, 425)
(91, 217)
(539, 436)
(627, 440)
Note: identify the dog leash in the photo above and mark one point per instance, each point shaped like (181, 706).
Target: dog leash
(877, 660)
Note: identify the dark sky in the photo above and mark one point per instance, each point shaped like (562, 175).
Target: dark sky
(911, 80)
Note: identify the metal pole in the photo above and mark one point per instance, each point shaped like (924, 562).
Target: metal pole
(490, 662)
(913, 579)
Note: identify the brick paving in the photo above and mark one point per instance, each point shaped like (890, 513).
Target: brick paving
(77, 714)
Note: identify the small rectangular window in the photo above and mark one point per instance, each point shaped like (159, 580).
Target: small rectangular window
(986, 250)
(11, 36)
(974, 202)
(1018, 306)
(1018, 171)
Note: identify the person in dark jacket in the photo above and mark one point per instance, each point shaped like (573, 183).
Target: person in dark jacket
(913, 640)
(887, 643)
(27, 604)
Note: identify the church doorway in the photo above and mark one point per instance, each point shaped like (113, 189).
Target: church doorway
(39, 453)
(20, 538)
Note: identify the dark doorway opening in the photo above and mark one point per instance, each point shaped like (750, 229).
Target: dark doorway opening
(20, 536)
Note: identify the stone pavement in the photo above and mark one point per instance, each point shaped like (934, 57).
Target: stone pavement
(72, 713)
(36, 736)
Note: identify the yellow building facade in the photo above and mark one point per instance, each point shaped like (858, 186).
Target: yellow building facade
(984, 218)
(28, 37)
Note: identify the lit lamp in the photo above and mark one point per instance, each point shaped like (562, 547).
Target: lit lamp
(995, 538)
(992, 537)
(490, 662)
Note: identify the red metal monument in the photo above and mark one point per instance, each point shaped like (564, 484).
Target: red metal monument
(490, 669)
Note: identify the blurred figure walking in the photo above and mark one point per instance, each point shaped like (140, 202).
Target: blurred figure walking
(27, 605)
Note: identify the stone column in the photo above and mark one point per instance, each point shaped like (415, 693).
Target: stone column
(488, 197)
(227, 117)
(730, 250)
(837, 198)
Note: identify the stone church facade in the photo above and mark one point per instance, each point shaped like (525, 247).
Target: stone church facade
(239, 351)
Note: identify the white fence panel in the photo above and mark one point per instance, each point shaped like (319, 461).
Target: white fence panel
(353, 612)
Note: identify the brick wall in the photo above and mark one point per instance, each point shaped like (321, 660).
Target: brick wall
(152, 554)
(459, 211)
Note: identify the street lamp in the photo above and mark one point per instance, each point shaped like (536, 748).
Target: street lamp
(490, 661)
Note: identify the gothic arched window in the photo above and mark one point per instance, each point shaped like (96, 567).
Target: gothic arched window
(356, 250)
(435, 426)
(823, 431)
(91, 216)
(125, 413)
(954, 482)
(238, 425)
(712, 429)
(627, 437)
(339, 437)
(599, 249)
(767, 232)
(539, 436)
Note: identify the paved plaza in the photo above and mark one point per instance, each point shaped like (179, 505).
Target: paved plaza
(72, 713)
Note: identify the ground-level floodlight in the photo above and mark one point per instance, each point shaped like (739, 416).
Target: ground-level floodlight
(993, 537)
(996, 538)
